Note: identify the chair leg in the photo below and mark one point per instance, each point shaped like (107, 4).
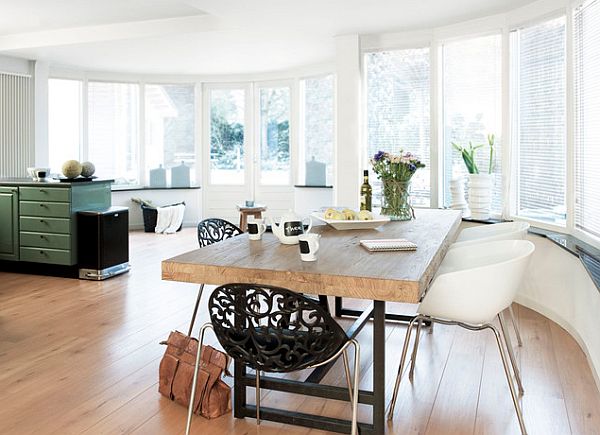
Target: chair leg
(513, 393)
(324, 302)
(413, 357)
(195, 380)
(355, 389)
(200, 289)
(401, 368)
(511, 353)
(515, 327)
(258, 397)
(347, 370)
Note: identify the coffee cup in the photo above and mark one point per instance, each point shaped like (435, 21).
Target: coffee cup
(256, 228)
(309, 246)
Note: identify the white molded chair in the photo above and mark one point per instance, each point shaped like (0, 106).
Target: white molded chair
(483, 283)
(489, 233)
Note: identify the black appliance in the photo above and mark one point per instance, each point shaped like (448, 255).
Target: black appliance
(103, 243)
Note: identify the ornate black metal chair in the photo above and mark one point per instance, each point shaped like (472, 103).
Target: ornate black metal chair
(211, 231)
(272, 329)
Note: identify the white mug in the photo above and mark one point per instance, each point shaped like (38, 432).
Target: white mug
(256, 228)
(309, 245)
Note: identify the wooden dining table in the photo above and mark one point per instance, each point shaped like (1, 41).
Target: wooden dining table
(345, 269)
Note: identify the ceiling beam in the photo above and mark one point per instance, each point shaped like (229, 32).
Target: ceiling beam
(111, 32)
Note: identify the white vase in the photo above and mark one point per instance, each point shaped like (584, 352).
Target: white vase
(480, 195)
(457, 190)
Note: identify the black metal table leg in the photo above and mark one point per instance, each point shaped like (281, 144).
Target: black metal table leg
(340, 311)
(379, 367)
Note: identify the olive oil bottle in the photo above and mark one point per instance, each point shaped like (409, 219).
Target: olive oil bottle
(366, 192)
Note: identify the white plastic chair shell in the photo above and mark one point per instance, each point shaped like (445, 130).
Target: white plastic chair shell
(483, 281)
(490, 233)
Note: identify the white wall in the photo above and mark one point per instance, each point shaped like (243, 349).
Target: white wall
(192, 198)
(15, 65)
(559, 287)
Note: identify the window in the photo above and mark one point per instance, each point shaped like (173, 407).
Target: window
(64, 122)
(169, 119)
(227, 112)
(113, 139)
(587, 117)
(472, 107)
(398, 110)
(539, 120)
(274, 133)
(318, 132)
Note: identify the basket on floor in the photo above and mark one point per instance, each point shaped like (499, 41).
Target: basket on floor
(150, 215)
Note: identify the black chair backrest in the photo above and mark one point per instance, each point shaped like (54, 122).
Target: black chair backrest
(273, 329)
(215, 230)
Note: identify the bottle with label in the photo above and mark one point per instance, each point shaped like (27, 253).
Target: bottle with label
(366, 193)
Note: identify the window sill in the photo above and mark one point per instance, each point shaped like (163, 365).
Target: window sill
(312, 187)
(136, 188)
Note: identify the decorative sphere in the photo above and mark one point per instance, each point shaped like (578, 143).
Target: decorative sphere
(71, 168)
(87, 169)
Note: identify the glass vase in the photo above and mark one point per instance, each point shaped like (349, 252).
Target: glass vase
(395, 200)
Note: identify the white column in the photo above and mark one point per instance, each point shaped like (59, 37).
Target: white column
(348, 167)
(40, 95)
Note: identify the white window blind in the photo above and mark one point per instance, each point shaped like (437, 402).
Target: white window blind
(539, 120)
(113, 130)
(587, 117)
(398, 110)
(64, 122)
(318, 131)
(472, 108)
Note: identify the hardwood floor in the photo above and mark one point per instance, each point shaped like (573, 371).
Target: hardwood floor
(82, 357)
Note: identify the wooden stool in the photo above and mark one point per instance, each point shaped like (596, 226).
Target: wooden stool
(255, 211)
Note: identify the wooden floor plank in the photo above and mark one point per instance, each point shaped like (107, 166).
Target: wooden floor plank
(82, 357)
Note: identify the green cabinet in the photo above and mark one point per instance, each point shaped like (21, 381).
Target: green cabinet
(38, 221)
(9, 223)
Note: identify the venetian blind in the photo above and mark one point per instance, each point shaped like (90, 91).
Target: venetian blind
(587, 117)
(539, 120)
(398, 110)
(472, 109)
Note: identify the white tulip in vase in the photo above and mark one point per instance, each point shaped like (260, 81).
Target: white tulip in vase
(480, 184)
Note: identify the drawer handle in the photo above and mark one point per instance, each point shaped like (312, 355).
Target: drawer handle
(42, 221)
(43, 205)
(42, 190)
(42, 236)
(42, 252)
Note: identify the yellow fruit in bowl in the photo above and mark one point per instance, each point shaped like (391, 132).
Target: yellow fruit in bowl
(329, 213)
(349, 215)
(365, 215)
(337, 216)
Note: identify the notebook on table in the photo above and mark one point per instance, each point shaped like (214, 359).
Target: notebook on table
(383, 245)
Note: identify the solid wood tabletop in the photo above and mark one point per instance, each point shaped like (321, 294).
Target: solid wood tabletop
(344, 268)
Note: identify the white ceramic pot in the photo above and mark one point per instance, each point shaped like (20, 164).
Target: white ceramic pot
(480, 195)
(457, 190)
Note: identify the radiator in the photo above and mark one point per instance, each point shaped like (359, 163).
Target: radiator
(16, 124)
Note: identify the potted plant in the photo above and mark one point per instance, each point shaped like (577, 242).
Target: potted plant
(480, 184)
(395, 172)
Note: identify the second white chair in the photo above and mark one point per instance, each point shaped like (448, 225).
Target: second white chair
(483, 283)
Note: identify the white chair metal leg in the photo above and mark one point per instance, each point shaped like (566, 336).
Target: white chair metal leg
(355, 389)
(347, 371)
(511, 353)
(258, 397)
(195, 380)
(413, 357)
(513, 393)
(401, 368)
(195, 313)
(515, 327)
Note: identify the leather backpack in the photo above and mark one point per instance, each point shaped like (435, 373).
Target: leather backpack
(176, 373)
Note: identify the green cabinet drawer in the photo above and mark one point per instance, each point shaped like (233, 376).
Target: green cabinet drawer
(45, 255)
(45, 209)
(45, 240)
(56, 194)
(45, 225)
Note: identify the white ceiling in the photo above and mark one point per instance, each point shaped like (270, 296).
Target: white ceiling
(211, 36)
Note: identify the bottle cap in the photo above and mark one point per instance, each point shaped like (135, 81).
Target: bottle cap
(366, 173)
